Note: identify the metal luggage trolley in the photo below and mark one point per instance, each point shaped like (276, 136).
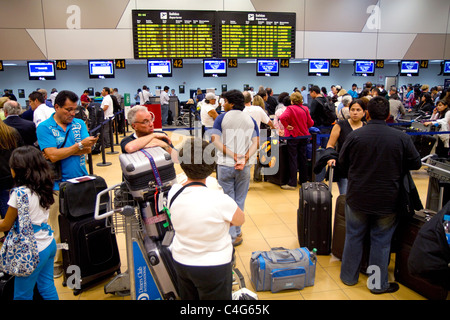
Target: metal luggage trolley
(126, 219)
(439, 172)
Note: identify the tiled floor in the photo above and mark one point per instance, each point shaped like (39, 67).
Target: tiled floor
(271, 221)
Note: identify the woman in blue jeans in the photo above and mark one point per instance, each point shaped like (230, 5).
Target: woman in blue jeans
(33, 191)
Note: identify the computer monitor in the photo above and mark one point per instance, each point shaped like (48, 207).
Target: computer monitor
(267, 67)
(409, 68)
(41, 70)
(364, 67)
(446, 68)
(215, 67)
(101, 69)
(318, 67)
(159, 68)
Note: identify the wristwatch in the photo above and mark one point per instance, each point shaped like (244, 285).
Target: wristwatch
(80, 146)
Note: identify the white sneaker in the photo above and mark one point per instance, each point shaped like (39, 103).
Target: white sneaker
(287, 187)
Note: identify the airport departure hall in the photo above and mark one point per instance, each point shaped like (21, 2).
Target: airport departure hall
(306, 143)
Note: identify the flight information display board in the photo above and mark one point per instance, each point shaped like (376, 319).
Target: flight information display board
(256, 34)
(174, 34)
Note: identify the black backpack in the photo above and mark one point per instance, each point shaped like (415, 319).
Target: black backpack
(116, 104)
(329, 111)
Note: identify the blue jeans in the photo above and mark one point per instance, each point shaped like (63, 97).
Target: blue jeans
(342, 185)
(381, 229)
(164, 113)
(235, 184)
(42, 275)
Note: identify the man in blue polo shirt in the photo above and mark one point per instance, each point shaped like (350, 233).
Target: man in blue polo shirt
(71, 151)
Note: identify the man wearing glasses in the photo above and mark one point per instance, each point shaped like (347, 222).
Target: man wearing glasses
(141, 121)
(64, 138)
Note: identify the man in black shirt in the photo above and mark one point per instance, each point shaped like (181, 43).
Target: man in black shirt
(271, 103)
(316, 106)
(141, 121)
(375, 158)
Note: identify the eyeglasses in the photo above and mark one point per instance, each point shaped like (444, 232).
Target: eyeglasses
(71, 110)
(146, 121)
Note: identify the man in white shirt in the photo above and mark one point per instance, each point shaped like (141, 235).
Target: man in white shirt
(41, 111)
(164, 100)
(144, 95)
(256, 112)
(107, 106)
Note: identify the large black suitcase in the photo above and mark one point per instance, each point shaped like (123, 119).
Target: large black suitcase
(6, 287)
(338, 240)
(314, 217)
(405, 235)
(281, 177)
(87, 243)
(163, 271)
(91, 246)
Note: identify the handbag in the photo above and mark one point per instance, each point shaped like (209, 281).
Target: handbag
(55, 167)
(19, 255)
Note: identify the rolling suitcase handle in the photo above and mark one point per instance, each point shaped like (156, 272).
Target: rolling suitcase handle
(330, 177)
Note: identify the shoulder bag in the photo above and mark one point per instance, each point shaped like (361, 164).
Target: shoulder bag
(19, 255)
(55, 167)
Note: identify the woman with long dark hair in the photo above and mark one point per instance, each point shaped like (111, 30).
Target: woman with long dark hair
(33, 188)
(441, 116)
(10, 139)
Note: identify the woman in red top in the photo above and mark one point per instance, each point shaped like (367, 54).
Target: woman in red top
(296, 121)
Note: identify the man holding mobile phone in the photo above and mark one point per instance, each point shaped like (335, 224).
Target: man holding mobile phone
(64, 138)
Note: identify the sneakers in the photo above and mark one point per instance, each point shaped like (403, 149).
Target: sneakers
(238, 240)
(393, 287)
(287, 187)
(57, 272)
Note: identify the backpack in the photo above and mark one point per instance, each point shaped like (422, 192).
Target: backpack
(329, 111)
(116, 104)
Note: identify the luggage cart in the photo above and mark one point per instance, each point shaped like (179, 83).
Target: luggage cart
(439, 172)
(138, 281)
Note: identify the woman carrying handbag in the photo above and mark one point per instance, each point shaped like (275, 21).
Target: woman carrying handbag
(29, 248)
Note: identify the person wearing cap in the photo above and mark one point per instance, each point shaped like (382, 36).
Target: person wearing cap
(208, 111)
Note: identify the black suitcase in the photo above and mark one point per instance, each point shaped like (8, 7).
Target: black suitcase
(77, 200)
(163, 271)
(6, 287)
(91, 246)
(281, 177)
(406, 234)
(314, 216)
(89, 243)
(424, 144)
(338, 240)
